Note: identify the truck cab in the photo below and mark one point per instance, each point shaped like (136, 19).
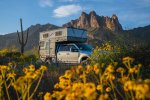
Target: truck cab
(73, 52)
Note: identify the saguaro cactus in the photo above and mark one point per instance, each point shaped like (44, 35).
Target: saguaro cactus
(21, 39)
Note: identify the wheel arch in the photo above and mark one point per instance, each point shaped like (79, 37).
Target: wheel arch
(82, 58)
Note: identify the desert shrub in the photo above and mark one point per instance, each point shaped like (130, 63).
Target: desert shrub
(12, 55)
(106, 53)
(95, 81)
(34, 51)
(103, 83)
(21, 84)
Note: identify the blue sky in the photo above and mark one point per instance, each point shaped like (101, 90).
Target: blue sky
(131, 13)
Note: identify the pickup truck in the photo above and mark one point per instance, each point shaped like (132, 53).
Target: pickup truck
(73, 52)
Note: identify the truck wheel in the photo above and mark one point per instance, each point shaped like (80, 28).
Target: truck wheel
(50, 60)
(85, 62)
(53, 60)
(47, 60)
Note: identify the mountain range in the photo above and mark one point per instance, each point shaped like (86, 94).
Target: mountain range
(100, 29)
(92, 20)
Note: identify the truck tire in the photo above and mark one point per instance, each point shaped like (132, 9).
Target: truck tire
(51, 60)
(85, 61)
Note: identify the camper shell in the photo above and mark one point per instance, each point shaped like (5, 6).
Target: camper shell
(49, 40)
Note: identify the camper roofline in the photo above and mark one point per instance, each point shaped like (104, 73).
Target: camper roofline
(77, 28)
(64, 28)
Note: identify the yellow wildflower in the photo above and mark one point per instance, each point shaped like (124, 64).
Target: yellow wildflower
(29, 75)
(89, 68)
(64, 82)
(108, 89)
(47, 96)
(78, 89)
(31, 68)
(129, 85)
(70, 96)
(68, 74)
(147, 80)
(127, 60)
(56, 86)
(25, 70)
(110, 68)
(37, 72)
(79, 69)
(4, 68)
(43, 68)
(103, 97)
(11, 75)
(99, 87)
(132, 70)
(96, 69)
(90, 91)
(110, 77)
(120, 69)
(34, 76)
(139, 65)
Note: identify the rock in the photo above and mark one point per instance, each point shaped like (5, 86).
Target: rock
(95, 21)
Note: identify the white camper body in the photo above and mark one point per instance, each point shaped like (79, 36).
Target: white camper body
(49, 40)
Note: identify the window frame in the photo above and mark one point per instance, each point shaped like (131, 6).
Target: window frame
(69, 45)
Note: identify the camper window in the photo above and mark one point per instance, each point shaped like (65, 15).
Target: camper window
(45, 35)
(42, 44)
(47, 45)
(59, 33)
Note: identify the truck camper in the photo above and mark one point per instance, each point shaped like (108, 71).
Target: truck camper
(64, 45)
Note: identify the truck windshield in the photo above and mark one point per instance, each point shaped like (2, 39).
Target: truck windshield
(84, 47)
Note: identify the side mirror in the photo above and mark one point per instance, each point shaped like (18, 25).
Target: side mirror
(74, 50)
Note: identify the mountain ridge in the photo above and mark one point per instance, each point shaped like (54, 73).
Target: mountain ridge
(95, 21)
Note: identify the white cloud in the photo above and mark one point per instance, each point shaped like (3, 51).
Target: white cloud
(45, 3)
(67, 10)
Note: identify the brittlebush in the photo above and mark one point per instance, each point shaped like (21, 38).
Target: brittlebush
(21, 84)
(102, 83)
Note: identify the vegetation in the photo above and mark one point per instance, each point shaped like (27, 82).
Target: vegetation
(102, 82)
(113, 73)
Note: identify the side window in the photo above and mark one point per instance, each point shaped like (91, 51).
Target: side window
(64, 48)
(42, 44)
(47, 45)
(72, 47)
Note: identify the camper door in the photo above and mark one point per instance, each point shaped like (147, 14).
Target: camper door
(44, 48)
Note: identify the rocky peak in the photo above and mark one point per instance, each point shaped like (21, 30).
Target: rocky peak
(83, 21)
(96, 21)
(93, 13)
(114, 16)
(83, 13)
